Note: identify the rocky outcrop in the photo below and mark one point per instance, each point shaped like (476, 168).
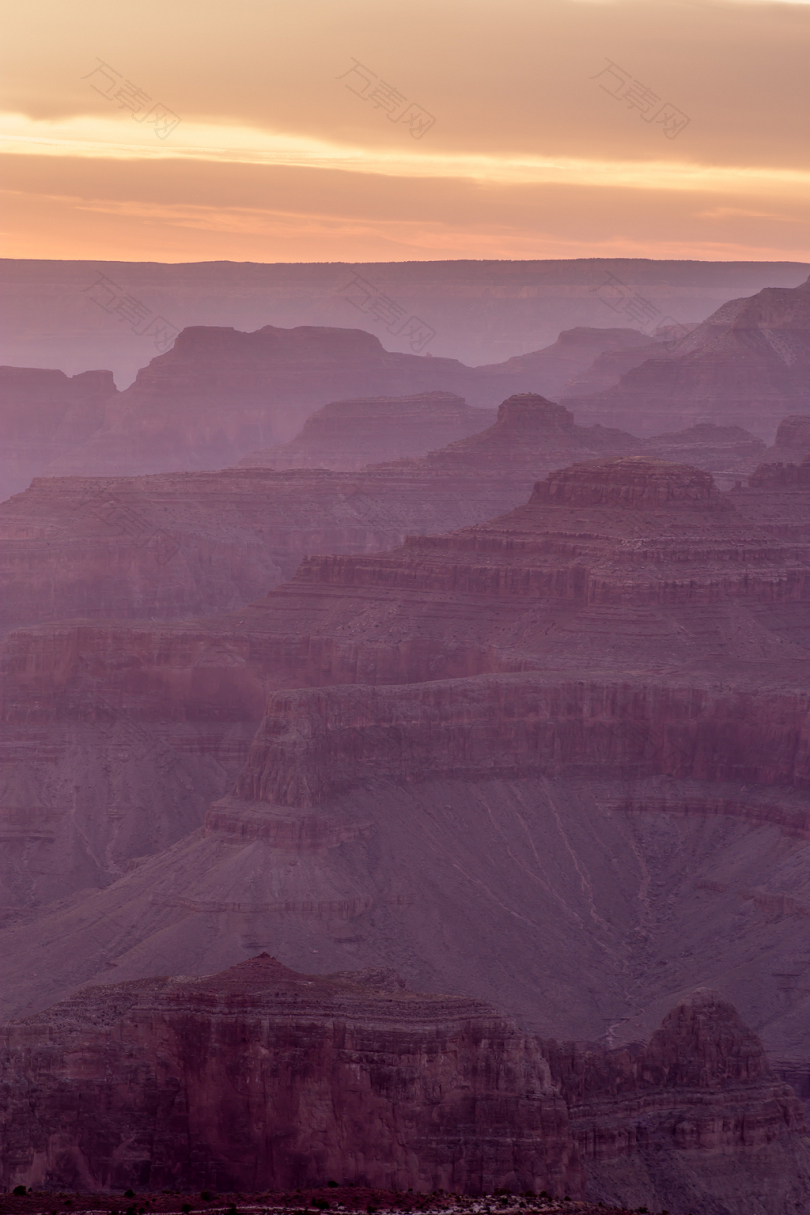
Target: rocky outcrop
(219, 394)
(746, 365)
(188, 544)
(262, 1078)
(347, 435)
(317, 744)
(694, 1120)
(782, 476)
(482, 310)
(43, 414)
(575, 736)
(729, 453)
(609, 366)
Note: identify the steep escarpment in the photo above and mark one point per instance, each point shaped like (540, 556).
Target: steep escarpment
(575, 735)
(316, 744)
(348, 435)
(219, 394)
(261, 1077)
(693, 1120)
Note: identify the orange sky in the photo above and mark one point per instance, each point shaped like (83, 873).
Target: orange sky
(532, 152)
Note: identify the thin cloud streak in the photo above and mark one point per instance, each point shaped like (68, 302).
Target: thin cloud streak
(101, 138)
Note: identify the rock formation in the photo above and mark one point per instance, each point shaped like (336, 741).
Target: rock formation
(260, 1077)
(575, 735)
(577, 353)
(347, 435)
(482, 311)
(188, 544)
(263, 1078)
(746, 365)
(693, 1121)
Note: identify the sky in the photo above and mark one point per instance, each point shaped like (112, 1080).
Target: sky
(362, 130)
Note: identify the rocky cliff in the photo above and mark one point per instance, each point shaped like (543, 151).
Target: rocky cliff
(575, 736)
(693, 1120)
(187, 544)
(260, 1077)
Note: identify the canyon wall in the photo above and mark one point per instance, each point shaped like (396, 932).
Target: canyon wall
(262, 1078)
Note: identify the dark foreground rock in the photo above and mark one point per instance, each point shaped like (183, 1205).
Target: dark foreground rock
(262, 1077)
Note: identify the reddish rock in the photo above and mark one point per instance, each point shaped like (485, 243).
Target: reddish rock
(260, 1077)
(694, 1120)
(188, 544)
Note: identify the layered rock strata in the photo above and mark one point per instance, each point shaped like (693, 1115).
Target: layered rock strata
(575, 736)
(187, 544)
(260, 1078)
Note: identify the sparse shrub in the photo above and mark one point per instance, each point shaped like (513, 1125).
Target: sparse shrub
(185, 1208)
(19, 1190)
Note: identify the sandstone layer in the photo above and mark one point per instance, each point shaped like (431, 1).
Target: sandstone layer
(575, 736)
(261, 1077)
(180, 545)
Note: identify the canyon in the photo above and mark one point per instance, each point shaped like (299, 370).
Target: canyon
(575, 736)
(403, 775)
(180, 545)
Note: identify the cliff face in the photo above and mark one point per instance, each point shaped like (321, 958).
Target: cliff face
(348, 435)
(262, 1078)
(43, 414)
(219, 394)
(692, 1120)
(575, 736)
(187, 544)
(747, 364)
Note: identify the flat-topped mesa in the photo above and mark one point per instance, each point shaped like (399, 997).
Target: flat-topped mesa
(347, 435)
(345, 1075)
(530, 411)
(630, 481)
